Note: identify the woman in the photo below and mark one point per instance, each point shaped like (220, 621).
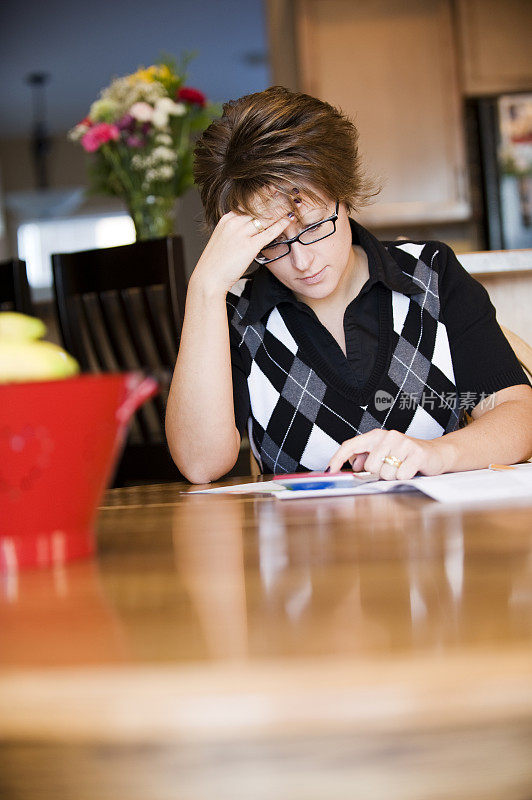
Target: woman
(338, 348)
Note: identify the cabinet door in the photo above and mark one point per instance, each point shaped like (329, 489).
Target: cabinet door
(390, 66)
(496, 45)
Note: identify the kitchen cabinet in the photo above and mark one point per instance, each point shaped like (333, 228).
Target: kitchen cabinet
(389, 65)
(495, 45)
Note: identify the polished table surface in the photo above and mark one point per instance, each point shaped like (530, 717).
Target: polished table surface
(236, 646)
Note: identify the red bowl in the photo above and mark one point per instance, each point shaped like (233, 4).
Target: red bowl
(59, 443)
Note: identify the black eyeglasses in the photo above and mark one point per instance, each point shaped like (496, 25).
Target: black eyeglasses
(313, 233)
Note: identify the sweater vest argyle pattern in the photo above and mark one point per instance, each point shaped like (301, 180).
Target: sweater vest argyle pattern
(301, 413)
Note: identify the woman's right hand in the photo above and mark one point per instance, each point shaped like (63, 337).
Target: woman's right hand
(232, 247)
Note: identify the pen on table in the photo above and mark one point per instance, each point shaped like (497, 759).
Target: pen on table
(500, 466)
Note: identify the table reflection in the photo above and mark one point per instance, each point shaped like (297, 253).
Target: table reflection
(59, 616)
(269, 579)
(209, 560)
(191, 578)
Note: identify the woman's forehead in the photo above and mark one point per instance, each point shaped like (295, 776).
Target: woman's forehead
(275, 204)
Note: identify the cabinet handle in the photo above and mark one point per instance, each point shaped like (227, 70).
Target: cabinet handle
(460, 183)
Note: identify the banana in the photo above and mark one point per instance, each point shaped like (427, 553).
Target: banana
(20, 327)
(22, 361)
(24, 358)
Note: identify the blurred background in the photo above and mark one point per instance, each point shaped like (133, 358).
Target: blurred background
(441, 91)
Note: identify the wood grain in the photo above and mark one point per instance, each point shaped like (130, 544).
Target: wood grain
(224, 646)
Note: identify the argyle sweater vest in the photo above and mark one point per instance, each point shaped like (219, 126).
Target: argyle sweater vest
(301, 412)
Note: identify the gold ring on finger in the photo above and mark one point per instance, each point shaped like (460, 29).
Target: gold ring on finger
(393, 461)
(258, 224)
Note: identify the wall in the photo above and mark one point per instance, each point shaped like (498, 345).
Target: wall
(82, 46)
(67, 165)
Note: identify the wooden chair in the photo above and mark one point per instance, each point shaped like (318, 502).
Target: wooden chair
(254, 468)
(121, 308)
(522, 350)
(14, 288)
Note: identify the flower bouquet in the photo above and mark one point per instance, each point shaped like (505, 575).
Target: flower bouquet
(515, 151)
(516, 136)
(140, 134)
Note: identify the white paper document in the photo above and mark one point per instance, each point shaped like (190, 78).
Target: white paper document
(479, 486)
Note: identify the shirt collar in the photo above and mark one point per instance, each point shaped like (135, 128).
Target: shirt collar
(267, 291)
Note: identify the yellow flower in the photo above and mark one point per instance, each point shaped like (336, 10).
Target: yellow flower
(164, 73)
(153, 73)
(143, 75)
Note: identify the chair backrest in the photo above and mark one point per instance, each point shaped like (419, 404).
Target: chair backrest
(522, 350)
(14, 288)
(121, 308)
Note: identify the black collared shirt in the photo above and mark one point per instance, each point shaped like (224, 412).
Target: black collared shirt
(483, 361)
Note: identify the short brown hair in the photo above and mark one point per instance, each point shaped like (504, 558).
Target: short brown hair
(280, 139)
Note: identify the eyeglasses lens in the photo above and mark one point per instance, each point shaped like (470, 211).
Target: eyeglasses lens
(307, 236)
(317, 232)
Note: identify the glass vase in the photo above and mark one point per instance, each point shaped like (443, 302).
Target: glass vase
(153, 217)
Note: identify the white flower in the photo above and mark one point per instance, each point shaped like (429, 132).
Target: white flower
(168, 105)
(163, 173)
(165, 107)
(103, 110)
(160, 119)
(141, 111)
(77, 132)
(164, 138)
(125, 92)
(163, 154)
(138, 162)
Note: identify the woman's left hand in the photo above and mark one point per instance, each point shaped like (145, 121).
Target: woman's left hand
(409, 456)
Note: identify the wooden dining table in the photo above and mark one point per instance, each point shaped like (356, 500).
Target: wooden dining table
(236, 646)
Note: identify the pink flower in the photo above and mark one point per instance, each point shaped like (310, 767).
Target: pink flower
(135, 141)
(190, 95)
(99, 134)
